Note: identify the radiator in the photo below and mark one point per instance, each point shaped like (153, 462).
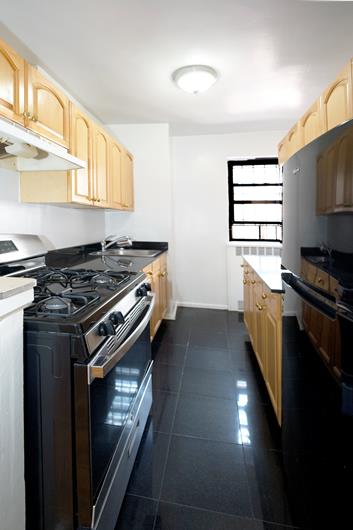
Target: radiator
(235, 272)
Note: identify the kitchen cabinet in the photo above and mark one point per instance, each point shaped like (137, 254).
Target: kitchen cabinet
(127, 181)
(311, 123)
(12, 78)
(101, 185)
(336, 101)
(81, 146)
(157, 275)
(116, 158)
(263, 319)
(335, 177)
(322, 331)
(332, 108)
(47, 108)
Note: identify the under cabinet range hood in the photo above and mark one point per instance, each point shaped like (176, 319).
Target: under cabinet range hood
(22, 150)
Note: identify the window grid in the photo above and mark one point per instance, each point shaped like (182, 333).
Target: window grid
(255, 230)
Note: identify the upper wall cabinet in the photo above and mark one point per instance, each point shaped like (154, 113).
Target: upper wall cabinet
(116, 160)
(81, 146)
(332, 108)
(127, 183)
(48, 108)
(101, 145)
(311, 124)
(12, 71)
(337, 100)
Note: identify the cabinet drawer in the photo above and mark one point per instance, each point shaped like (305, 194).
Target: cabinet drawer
(322, 280)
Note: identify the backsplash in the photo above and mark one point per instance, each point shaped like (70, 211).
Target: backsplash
(340, 232)
(58, 226)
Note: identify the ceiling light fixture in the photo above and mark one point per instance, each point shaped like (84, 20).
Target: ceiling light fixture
(195, 78)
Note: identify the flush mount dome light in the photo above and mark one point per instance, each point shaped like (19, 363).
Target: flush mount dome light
(195, 78)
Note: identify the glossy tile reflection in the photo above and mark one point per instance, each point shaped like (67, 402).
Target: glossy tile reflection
(214, 457)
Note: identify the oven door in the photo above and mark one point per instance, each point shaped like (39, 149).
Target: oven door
(111, 410)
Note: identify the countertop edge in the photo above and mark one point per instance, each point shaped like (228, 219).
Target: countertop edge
(10, 286)
(271, 276)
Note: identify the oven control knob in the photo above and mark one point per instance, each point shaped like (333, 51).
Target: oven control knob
(106, 328)
(148, 287)
(142, 291)
(117, 318)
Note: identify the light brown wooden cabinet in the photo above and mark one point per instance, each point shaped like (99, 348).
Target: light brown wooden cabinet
(263, 319)
(333, 107)
(28, 97)
(48, 110)
(322, 331)
(337, 100)
(311, 123)
(157, 274)
(334, 189)
(12, 80)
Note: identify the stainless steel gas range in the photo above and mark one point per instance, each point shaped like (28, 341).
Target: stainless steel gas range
(88, 392)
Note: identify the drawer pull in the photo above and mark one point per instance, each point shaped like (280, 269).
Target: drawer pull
(319, 280)
(245, 282)
(246, 271)
(259, 306)
(253, 282)
(264, 296)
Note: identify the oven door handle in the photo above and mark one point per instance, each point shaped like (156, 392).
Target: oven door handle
(99, 367)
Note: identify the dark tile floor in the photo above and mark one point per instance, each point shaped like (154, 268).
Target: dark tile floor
(212, 456)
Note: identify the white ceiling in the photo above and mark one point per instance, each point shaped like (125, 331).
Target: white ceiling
(116, 56)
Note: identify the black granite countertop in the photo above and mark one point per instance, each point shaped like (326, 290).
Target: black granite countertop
(81, 257)
(339, 265)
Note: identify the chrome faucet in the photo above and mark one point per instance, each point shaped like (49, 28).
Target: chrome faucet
(326, 250)
(120, 241)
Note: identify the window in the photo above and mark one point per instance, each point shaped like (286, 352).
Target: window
(255, 200)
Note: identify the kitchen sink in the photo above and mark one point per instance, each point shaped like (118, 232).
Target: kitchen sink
(128, 252)
(320, 259)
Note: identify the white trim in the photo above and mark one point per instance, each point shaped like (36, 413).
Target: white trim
(275, 244)
(172, 311)
(202, 306)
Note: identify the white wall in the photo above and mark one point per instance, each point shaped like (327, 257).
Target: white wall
(152, 219)
(200, 184)
(60, 226)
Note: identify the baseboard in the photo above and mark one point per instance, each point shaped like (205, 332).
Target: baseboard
(199, 305)
(172, 311)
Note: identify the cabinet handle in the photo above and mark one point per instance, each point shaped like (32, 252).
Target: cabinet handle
(264, 296)
(26, 114)
(149, 273)
(260, 307)
(245, 282)
(33, 118)
(319, 280)
(242, 265)
(253, 282)
(246, 271)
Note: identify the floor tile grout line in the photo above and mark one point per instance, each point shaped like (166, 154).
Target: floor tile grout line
(171, 429)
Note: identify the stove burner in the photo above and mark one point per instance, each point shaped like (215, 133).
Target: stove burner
(56, 304)
(105, 279)
(65, 304)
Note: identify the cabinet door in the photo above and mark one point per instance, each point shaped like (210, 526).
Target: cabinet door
(311, 123)
(283, 153)
(337, 100)
(344, 173)
(273, 374)
(12, 68)
(260, 312)
(127, 181)
(116, 155)
(294, 140)
(81, 146)
(101, 168)
(48, 108)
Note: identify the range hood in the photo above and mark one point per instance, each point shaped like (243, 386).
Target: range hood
(22, 150)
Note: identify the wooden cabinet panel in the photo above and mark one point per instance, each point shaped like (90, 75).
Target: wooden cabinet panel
(344, 173)
(337, 100)
(12, 71)
(81, 146)
(263, 318)
(157, 275)
(116, 154)
(127, 184)
(48, 108)
(283, 151)
(101, 168)
(273, 369)
(294, 140)
(311, 123)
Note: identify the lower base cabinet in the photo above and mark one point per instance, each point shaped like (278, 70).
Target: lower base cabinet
(263, 319)
(157, 274)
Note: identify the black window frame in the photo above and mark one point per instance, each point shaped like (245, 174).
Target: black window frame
(232, 201)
